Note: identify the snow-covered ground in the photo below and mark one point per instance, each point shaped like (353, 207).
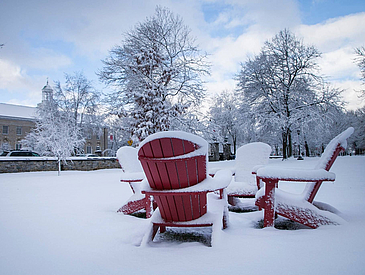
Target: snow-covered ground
(68, 224)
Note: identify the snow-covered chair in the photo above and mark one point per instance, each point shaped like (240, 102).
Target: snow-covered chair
(249, 157)
(176, 176)
(301, 207)
(132, 173)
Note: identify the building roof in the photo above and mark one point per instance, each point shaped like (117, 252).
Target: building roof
(17, 111)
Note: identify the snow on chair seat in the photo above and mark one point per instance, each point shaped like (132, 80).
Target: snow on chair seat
(133, 174)
(300, 208)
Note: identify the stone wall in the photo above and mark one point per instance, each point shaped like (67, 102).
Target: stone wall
(48, 164)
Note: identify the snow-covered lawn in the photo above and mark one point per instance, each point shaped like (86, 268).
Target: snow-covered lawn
(69, 225)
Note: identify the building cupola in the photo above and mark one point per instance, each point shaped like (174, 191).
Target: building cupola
(47, 93)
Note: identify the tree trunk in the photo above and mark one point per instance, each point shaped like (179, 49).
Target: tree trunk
(306, 149)
(284, 135)
(59, 166)
(290, 146)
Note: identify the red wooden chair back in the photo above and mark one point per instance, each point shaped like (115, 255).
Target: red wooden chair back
(173, 162)
(170, 163)
(333, 149)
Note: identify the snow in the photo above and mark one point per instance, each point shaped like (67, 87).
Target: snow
(11, 110)
(303, 174)
(69, 225)
(128, 160)
(331, 147)
(250, 157)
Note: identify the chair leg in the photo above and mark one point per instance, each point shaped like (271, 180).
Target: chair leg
(149, 206)
(225, 220)
(162, 229)
(154, 231)
(231, 200)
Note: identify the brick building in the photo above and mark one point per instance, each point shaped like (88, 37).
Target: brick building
(16, 121)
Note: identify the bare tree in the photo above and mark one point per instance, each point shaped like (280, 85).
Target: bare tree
(157, 73)
(78, 98)
(360, 60)
(229, 120)
(283, 86)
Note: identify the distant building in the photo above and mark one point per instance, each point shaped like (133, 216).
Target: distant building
(16, 122)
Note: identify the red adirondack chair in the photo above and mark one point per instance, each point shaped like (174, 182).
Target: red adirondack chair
(244, 184)
(176, 176)
(300, 208)
(133, 174)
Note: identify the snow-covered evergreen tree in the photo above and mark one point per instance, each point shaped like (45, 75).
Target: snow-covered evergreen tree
(157, 73)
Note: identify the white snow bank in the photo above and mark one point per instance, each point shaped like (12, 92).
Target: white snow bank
(69, 225)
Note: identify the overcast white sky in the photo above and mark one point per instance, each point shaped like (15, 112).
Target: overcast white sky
(48, 38)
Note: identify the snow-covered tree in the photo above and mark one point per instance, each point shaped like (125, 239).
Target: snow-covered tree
(357, 120)
(229, 120)
(156, 72)
(55, 133)
(80, 100)
(360, 52)
(283, 86)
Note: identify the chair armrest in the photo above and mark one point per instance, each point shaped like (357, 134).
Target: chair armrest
(308, 175)
(256, 168)
(220, 181)
(132, 177)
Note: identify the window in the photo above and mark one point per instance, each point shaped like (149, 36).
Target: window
(18, 130)
(18, 146)
(5, 130)
(88, 149)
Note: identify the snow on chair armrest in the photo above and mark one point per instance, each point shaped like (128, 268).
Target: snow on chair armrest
(220, 181)
(295, 174)
(132, 176)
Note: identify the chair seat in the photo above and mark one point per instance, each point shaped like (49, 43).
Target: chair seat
(295, 207)
(241, 189)
(135, 203)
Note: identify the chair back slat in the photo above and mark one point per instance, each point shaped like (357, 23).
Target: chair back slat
(178, 172)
